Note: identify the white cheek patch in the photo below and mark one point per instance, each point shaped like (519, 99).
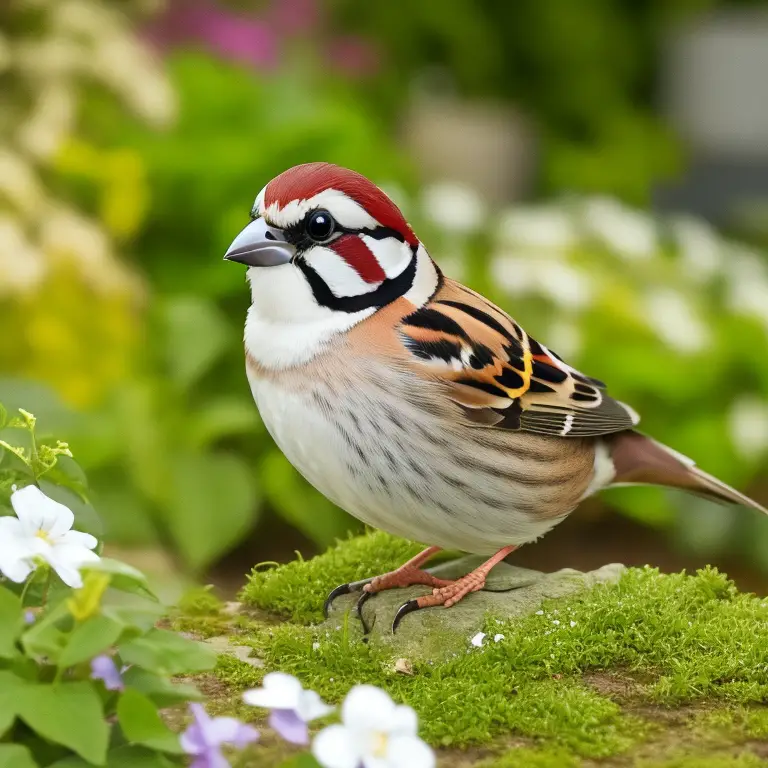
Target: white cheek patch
(426, 280)
(346, 211)
(336, 273)
(392, 255)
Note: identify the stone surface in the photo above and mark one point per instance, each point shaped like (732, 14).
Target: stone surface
(435, 633)
(224, 644)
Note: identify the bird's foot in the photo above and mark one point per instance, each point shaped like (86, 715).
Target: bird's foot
(453, 591)
(446, 595)
(405, 576)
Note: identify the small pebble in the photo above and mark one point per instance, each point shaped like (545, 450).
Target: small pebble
(477, 640)
(404, 667)
(539, 613)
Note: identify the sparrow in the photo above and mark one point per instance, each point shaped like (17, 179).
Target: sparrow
(413, 402)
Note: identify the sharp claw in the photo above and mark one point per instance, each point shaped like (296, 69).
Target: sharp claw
(342, 589)
(403, 610)
(364, 598)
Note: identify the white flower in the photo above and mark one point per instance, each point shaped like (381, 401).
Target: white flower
(477, 640)
(748, 423)
(699, 247)
(544, 227)
(292, 706)
(498, 638)
(42, 530)
(629, 233)
(454, 207)
(375, 733)
(675, 321)
(282, 691)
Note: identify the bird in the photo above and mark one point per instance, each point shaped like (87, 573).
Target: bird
(413, 402)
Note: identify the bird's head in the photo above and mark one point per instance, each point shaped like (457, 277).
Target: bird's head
(326, 239)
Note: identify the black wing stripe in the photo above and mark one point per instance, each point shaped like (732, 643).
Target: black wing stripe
(432, 320)
(482, 316)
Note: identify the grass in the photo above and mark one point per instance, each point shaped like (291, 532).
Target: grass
(298, 589)
(678, 638)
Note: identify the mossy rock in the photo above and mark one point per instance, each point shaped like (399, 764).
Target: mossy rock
(615, 668)
(436, 633)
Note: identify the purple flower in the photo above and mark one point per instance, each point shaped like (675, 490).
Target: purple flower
(292, 706)
(290, 726)
(29, 617)
(104, 669)
(205, 737)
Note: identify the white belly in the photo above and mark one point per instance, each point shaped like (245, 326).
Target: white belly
(390, 475)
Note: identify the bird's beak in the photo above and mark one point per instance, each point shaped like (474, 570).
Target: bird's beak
(260, 245)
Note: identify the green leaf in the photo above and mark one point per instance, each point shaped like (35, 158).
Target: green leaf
(223, 417)
(10, 689)
(214, 503)
(69, 714)
(138, 614)
(44, 637)
(196, 335)
(160, 689)
(125, 578)
(122, 757)
(294, 499)
(89, 639)
(15, 756)
(142, 725)
(167, 653)
(11, 622)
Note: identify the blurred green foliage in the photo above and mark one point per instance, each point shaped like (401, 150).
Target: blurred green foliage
(174, 447)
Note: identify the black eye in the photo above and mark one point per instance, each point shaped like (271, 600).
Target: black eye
(320, 226)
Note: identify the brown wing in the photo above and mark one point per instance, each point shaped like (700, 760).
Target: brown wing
(500, 375)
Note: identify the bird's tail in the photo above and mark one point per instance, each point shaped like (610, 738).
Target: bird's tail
(638, 459)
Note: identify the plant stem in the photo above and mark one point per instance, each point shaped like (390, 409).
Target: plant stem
(27, 586)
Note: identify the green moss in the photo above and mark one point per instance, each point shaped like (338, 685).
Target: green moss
(696, 634)
(743, 760)
(460, 703)
(690, 637)
(298, 590)
(200, 601)
(735, 724)
(533, 757)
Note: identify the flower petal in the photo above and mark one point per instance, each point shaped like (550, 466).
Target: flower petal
(104, 668)
(368, 708)
(311, 706)
(78, 539)
(229, 730)
(405, 721)
(15, 568)
(334, 747)
(210, 759)
(279, 691)
(38, 512)
(67, 560)
(287, 724)
(409, 752)
(193, 740)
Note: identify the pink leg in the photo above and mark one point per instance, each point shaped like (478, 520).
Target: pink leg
(451, 593)
(408, 574)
